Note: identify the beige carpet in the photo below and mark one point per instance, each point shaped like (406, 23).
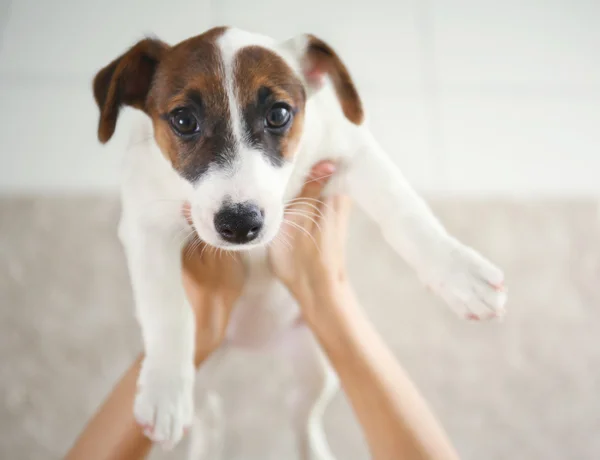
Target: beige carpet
(524, 389)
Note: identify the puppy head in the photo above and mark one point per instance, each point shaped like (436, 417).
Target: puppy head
(228, 110)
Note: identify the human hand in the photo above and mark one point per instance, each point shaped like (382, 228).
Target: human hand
(308, 254)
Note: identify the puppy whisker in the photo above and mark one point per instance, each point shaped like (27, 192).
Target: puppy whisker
(296, 204)
(302, 229)
(315, 200)
(306, 216)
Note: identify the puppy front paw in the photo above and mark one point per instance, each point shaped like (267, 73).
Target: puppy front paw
(164, 404)
(471, 285)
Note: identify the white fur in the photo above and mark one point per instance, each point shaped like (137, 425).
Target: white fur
(153, 232)
(249, 178)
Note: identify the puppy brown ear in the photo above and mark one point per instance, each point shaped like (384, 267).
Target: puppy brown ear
(320, 60)
(126, 81)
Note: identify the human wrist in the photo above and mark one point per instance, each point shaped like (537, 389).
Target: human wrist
(323, 297)
(332, 317)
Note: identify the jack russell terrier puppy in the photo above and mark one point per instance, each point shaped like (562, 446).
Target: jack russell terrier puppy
(233, 123)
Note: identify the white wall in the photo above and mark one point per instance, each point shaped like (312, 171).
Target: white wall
(469, 96)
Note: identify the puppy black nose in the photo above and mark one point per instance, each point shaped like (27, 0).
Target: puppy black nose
(239, 223)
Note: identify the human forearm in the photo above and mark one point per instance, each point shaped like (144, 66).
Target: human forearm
(113, 432)
(395, 418)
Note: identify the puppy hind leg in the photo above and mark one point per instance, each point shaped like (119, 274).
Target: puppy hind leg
(207, 433)
(317, 440)
(317, 384)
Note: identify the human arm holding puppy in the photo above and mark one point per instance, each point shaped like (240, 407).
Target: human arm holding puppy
(395, 419)
(212, 284)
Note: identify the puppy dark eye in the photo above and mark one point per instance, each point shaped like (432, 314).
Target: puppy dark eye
(278, 116)
(184, 122)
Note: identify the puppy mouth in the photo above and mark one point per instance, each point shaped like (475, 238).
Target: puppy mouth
(261, 240)
(240, 247)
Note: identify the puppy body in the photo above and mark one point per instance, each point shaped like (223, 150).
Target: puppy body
(265, 318)
(162, 171)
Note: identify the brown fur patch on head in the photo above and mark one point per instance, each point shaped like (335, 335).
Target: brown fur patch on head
(320, 59)
(192, 76)
(262, 80)
(158, 79)
(163, 81)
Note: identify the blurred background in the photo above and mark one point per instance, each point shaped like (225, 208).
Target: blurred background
(492, 110)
